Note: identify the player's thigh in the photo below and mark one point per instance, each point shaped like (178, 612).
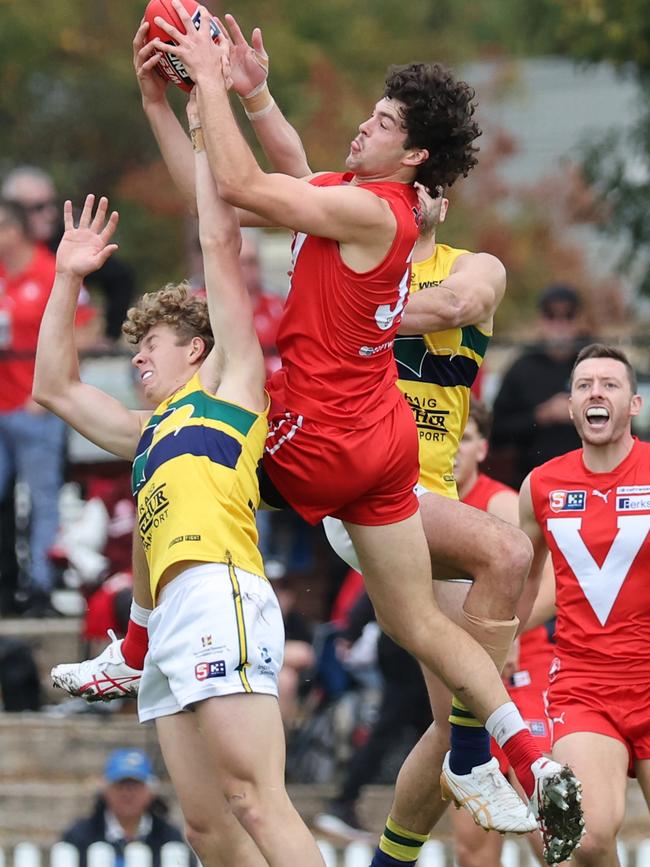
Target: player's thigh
(600, 763)
(465, 541)
(244, 736)
(196, 778)
(473, 847)
(395, 563)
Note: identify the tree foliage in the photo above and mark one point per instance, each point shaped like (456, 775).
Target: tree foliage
(617, 165)
(70, 103)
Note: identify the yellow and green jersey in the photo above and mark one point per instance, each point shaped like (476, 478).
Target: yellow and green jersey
(435, 372)
(195, 482)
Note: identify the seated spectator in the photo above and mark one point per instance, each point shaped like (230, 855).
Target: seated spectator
(127, 809)
(404, 708)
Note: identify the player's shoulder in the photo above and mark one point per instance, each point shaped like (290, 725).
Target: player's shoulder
(558, 467)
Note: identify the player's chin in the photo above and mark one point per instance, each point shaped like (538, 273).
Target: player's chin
(596, 435)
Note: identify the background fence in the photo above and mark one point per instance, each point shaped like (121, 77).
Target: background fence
(435, 853)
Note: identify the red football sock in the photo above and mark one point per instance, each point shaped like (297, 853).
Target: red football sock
(135, 645)
(521, 751)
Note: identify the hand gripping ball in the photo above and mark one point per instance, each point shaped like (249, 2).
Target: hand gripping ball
(170, 67)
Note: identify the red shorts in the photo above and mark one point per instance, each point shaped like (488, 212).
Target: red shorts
(576, 703)
(531, 705)
(363, 476)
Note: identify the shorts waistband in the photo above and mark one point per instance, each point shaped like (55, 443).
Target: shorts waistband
(193, 572)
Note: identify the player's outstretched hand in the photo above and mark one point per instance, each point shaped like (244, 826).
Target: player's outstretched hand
(145, 58)
(84, 248)
(196, 48)
(249, 63)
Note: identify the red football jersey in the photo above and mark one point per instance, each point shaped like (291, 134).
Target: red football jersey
(596, 526)
(337, 331)
(23, 298)
(482, 491)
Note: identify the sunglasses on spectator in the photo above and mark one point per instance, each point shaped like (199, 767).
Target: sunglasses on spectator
(560, 315)
(39, 207)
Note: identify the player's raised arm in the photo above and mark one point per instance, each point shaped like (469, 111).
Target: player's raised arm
(57, 386)
(236, 362)
(175, 146)
(249, 64)
(347, 214)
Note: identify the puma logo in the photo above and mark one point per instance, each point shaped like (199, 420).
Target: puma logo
(601, 495)
(559, 719)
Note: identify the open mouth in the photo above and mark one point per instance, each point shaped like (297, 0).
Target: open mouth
(147, 375)
(597, 416)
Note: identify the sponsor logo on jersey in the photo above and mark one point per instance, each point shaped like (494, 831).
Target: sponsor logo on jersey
(633, 489)
(153, 510)
(567, 501)
(369, 351)
(603, 496)
(204, 670)
(633, 503)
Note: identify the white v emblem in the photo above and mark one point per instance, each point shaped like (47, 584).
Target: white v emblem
(602, 585)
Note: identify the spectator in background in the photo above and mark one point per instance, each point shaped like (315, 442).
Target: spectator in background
(531, 410)
(34, 189)
(404, 707)
(267, 306)
(32, 441)
(127, 809)
(298, 635)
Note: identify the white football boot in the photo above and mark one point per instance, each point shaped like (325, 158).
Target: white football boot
(103, 678)
(489, 797)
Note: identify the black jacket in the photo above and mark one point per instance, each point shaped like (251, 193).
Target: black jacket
(532, 379)
(92, 830)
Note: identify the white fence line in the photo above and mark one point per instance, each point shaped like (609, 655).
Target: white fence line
(434, 853)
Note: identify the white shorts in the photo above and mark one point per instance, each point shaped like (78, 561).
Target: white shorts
(216, 630)
(341, 543)
(340, 540)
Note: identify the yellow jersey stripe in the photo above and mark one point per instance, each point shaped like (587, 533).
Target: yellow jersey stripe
(241, 628)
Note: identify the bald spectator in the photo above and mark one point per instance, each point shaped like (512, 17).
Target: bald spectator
(34, 189)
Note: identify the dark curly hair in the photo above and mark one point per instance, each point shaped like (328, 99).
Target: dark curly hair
(438, 115)
(173, 305)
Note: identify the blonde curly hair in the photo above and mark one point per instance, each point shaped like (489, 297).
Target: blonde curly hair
(173, 305)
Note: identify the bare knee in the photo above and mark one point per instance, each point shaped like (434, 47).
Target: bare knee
(470, 853)
(202, 838)
(254, 812)
(511, 564)
(597, 849)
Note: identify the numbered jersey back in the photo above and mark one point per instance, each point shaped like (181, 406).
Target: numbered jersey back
(597, 527)
(337, 332)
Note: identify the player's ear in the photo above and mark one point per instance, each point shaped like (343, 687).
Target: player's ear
(570, 409)
(197, 348)
(635, 405)
(444, 207)
(416, 157)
